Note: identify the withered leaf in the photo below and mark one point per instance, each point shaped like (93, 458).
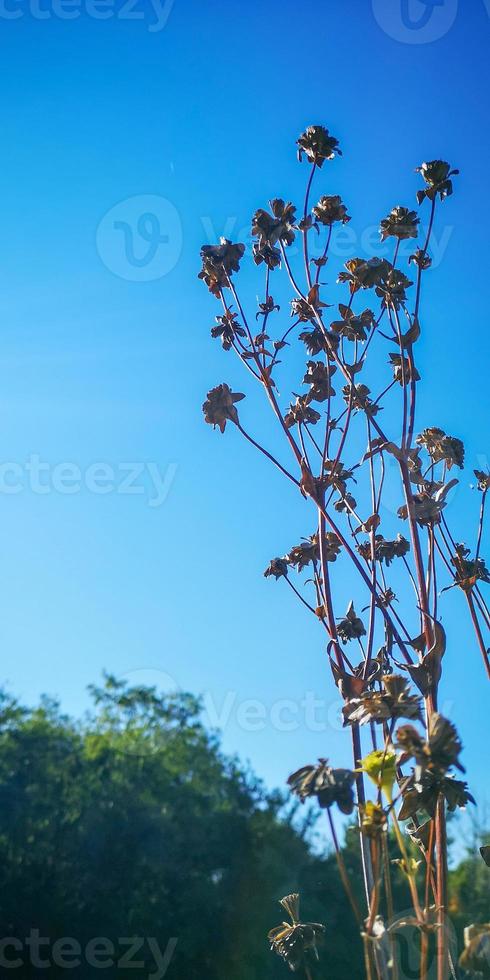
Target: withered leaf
(402, 370)
(328, 785)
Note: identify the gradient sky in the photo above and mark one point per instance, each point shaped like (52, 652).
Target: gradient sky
(99, 366)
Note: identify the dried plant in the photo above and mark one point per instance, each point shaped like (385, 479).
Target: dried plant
(296, 941)
(386, 660)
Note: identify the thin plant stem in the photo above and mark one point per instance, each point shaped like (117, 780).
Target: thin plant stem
(269, 455)
(343, 870)
(390, 908)
(432, 544)
(479, 636)
(305, 232)
(367, 867)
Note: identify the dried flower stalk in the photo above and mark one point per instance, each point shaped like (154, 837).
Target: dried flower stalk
(386, 650)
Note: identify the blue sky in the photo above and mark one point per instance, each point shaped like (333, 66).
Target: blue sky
(106, 356)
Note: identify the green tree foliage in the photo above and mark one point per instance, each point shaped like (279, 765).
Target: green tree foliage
(470, 888)
(133, 823)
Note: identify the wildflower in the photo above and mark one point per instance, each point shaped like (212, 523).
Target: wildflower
(301, 412)
(442, 448)
(468, 570)
(426, 509)
(336, 475)
(330, 209)
(374, 821)
(358, 395)
(364, 273)
(385, 551)
(275, 227)
(278, 567)
(318, 145)
(392, 287)
(353, 327)
(395, 701)
(380, 766)
(328, 785)
(318, 376)
(425, 793)
(350, 627)
(218, 263)
(483, 480)
(227, 328)
(433, 757)
(317, 340)
(421, 259)
(401, 223)
(309, 550)
(268, 254)
(437, 174)
(219, 407)
(294, 941)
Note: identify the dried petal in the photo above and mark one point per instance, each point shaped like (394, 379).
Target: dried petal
(218, 263)
(278, 567)
(437, 174)
(318, 145)
(328, 785)
(219, 406)
(295, 941)
(350, 627)
(401, 223)
(374, 822)
(395, 701)
(330, 209)
(442, 447)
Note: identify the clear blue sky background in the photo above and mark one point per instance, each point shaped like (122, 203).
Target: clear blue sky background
(97, 368)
